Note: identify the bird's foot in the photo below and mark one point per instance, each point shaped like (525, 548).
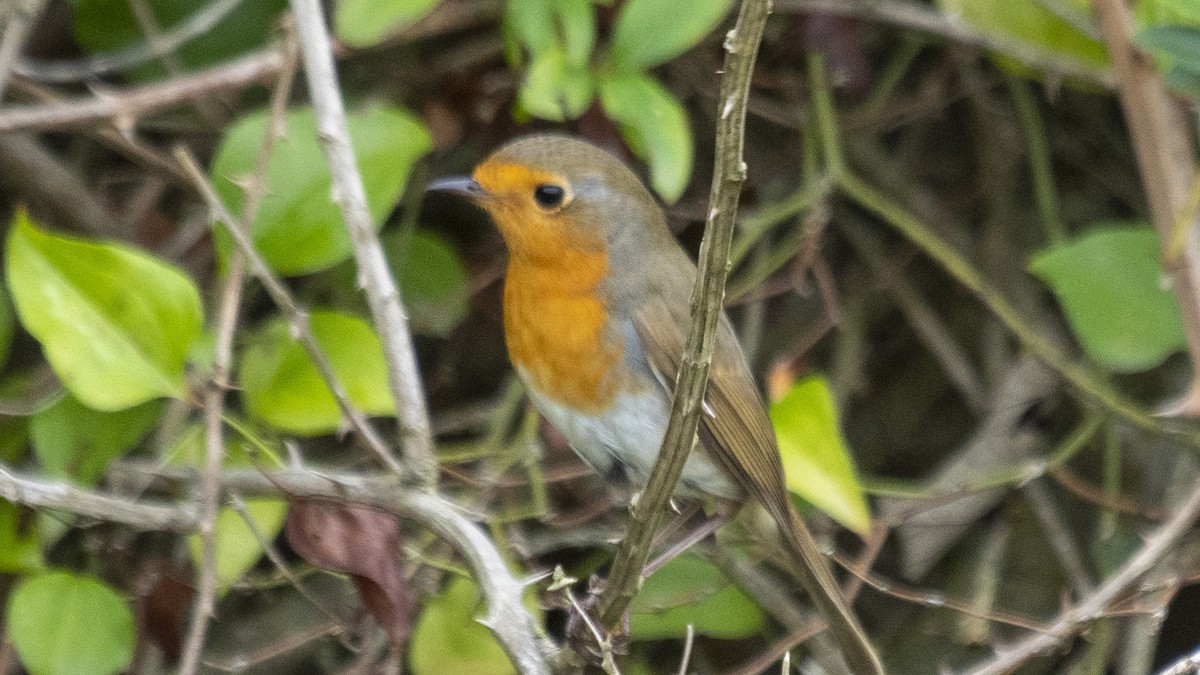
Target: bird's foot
(587, 637)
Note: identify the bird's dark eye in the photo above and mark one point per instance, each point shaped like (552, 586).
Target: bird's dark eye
(549, 196)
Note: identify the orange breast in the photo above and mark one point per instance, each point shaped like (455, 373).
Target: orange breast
(556, 328)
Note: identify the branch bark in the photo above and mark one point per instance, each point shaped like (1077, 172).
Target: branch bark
(1093, 607)
(1166, 159)
(383, 295)
(729, 172)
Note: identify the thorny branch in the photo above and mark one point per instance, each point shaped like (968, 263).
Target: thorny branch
(383, 295)
(729, 172)
(506, 615)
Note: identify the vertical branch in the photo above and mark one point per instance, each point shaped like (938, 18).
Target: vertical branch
(214, 398)
(383, 296)
(1165, 159)
(17, 19)
(729, 172)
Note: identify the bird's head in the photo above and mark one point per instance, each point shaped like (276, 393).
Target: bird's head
(553, 194)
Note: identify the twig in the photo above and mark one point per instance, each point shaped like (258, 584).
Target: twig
(686, 659)
(506, 615)
(931, 330)
(158, 46)
(38, 177)
(1162, 144)
(62, 496)
(296, 316)
(729, 172)
(1059, 536)
(214, 397)
(19, 19)
(126, 106)
(1093, 607)
(383, 295)
(919, 17)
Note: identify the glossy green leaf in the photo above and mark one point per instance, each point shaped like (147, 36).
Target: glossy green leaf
(282, 387)
(115, 323)
(449, 639)
(1110, 284)
(20, 539)
(238, 548)
(109, 25)
(1033, 24)
(362, 23)
(299, 229)
(553, 89)
(432, 279)
(62, 624)
(815, 457)
(655, 125)
(691, 590)
(77, 442)
(650, 32)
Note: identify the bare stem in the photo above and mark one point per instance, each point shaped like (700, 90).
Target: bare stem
(383, 295)
(506, 615)
(296, 316)
(729, 172)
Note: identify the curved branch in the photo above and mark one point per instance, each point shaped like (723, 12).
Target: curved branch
(506, 616)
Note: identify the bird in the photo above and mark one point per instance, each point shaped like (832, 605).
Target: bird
(597, 299)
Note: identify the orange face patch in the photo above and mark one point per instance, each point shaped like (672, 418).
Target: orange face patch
(555, 322)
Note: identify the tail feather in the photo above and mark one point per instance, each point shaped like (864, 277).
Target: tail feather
(813, 571)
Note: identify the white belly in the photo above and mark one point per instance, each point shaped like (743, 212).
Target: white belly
(625, 440)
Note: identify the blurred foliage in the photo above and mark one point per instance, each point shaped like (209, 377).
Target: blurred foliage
(1029, 179)
(63, 624)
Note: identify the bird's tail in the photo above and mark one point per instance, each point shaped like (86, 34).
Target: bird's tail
(813, 571)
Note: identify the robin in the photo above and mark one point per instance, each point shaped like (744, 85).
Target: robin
(596, 310)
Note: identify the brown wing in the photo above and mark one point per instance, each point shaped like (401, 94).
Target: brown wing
(735, 428)
(734, 423)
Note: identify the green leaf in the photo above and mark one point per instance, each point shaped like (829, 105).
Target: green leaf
(109, 25)
(691, 590)
(815, 458)
(650, 32)
(362, 23)
(542, 25)
(299, 229)
(20, 539)
(62, 624)
(553, 89)
(282, 387)
(74, 441)
(577, 21)
(448, 639)
(1110, 284)
(432, 279)
(1151, 12)
(238, 549)
(116, 324)
(1179, 45)
(655, 125)
(14, 438)
(7, 324)
(532, 22)
(1032, 23)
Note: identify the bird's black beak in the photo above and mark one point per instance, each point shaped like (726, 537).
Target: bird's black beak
(463, 186)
